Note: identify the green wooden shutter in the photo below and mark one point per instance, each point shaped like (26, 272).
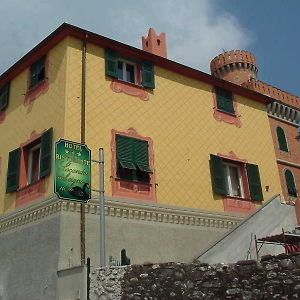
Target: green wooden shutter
(254, 182)
(13, 171)
(224, 100)
(148, 75)
(46, 153)
(290, 183)
(111, 63)
(141, 155)
(4, 96)
(125, 152)
(282, 139)
(218, 176)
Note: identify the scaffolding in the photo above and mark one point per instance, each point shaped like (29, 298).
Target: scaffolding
(289, 240)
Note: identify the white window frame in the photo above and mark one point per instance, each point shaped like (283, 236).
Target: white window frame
(30, 162)
(228, 179)
(124, 63)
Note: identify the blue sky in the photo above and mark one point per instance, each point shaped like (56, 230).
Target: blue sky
(197, 30)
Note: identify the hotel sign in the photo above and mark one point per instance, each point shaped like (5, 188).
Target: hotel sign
(72, 171)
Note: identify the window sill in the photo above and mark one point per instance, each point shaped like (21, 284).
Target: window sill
(237, 198)
(32, 88)
(227, 112)
(132, 89)
(35, 91)
(133, 181)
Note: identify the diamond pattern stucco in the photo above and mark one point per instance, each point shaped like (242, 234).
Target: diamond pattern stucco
(178, 117)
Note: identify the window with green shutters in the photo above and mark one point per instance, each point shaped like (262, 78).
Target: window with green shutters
(38, 158)
(282, 142)
(229, 179)
(148, 75)
(254, 182)
(290, 183)
(224, 100)
(37, 72)
(46, 153)
(12, 183)
(127, 70)
(4, 97)
(133, 159)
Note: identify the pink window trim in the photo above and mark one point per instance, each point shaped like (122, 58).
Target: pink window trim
(28, 193)
(2, 116)
(226, 117)
(125, 188)
(236, 204)
(128, 88)
(33, 93)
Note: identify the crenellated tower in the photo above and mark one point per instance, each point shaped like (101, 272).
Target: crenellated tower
(154, 43)
(237, 66)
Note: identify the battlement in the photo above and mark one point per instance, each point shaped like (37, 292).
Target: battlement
(232, 57)
(154, 43)
(273, 92)
(236, 66)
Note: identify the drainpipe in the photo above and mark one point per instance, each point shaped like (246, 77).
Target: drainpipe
(82, 139)
(297, 211)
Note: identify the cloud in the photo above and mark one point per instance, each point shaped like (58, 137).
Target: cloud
(197, 30)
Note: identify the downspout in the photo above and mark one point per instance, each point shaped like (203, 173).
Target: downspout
(82, 140)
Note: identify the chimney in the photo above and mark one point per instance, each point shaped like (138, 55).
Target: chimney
(155, 44)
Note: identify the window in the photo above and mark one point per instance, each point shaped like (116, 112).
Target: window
(282, 142)
(37, 72)
(4, 95)
(234, 184)
(290, 183)
(133, 159)
(126, 70)
(224, 100)
(29, 164)
(33, 165)
(232, 178)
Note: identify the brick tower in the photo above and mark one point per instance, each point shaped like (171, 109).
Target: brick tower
(237, 66)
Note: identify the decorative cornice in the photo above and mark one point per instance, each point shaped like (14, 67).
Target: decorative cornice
(120, 209)
(283, 113)
(284, 162)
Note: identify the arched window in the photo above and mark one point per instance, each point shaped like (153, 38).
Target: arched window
(282, 140)
(290, 183)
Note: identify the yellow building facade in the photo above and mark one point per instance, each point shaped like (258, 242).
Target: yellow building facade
(179, 120)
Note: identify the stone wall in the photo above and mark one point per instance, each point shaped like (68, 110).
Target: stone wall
(274, 277)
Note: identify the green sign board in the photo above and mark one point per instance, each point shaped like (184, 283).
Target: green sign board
(72, 171)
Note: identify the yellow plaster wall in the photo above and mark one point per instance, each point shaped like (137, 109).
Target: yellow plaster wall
(45, 112)
(179, 119)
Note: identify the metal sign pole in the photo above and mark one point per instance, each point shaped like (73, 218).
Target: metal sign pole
(102, 207)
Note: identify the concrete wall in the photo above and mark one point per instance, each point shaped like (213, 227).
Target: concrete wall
(38, 243)
(239, 244)
(155, 239)
(72, 283)
(29, 259)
